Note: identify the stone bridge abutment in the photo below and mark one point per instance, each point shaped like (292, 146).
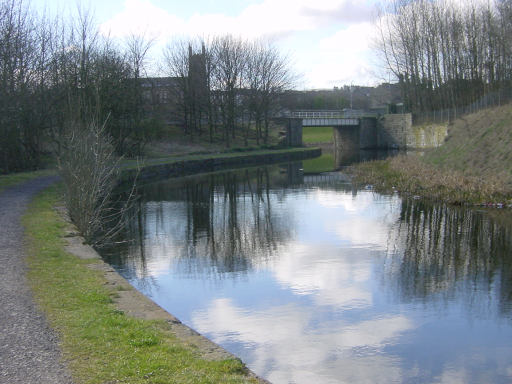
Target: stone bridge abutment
(384, 132)
(353, 133)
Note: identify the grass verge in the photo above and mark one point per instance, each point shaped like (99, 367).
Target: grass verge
(316, 135)
(15, 178)
(132, 164)
(100, 343)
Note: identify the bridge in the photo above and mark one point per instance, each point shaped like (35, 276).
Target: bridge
(353, 130)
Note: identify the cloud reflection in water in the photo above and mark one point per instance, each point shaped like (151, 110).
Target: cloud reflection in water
(325, 283)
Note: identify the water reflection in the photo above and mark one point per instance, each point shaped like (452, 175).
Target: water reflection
(343, 157)
(221, 223)
(309, 280)
(442, 247)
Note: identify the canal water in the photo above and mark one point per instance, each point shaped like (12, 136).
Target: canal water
(309, 280)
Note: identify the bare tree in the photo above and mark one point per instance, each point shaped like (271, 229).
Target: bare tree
(19, 146)
(230, 58)
(446, 55)
(137, 47)
(90, 171)
(268, 75)
(188, 68)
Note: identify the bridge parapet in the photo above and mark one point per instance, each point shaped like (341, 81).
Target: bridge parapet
(328, 122)
(331, 114)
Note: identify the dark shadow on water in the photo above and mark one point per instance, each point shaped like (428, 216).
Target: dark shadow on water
(226, 220)
(346, 158)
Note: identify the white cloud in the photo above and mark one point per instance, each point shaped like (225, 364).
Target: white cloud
(287, 349)
(339, 59)
(346, 201)
(142, 17)
(268, 18)
(326, 274)
(346, 57)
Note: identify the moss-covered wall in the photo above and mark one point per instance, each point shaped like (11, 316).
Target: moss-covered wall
(427, 135)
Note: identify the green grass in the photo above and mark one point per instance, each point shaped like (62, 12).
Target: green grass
(324, 163)
(100, 343)
(175, 134)
(317, 135)
(20, 177)
(478, 144)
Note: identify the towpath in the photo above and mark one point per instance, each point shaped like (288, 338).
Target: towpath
(29, 350)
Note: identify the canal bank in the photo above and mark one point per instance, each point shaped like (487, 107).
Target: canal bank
(472, 167)
(108, 331)
(310, 280)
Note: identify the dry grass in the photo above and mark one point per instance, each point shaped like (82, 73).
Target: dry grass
(474, 166)
(411, 175)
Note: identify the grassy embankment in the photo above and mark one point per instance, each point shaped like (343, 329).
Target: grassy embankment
(234, 153)
(100, 343)
(171, 139)
(474, 166)
(318, 136)
(169, 146)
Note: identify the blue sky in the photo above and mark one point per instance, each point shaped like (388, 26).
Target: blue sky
(329, 41)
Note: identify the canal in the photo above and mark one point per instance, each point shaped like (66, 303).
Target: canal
(309, 280)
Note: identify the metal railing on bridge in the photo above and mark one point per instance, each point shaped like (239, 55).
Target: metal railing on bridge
(351, 114)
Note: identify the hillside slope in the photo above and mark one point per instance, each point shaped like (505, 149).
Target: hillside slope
(479, 144)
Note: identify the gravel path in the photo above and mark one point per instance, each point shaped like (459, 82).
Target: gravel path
(29, 351)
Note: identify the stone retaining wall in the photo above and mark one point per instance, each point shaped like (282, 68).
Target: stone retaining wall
(427, 136)
(187, 167)
(393, 130)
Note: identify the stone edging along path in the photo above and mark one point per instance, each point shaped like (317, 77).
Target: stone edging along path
(135, 304)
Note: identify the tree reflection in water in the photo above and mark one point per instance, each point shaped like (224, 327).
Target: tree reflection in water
(230, 223)
(219, 223)
(439, 250)
(307, 275)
